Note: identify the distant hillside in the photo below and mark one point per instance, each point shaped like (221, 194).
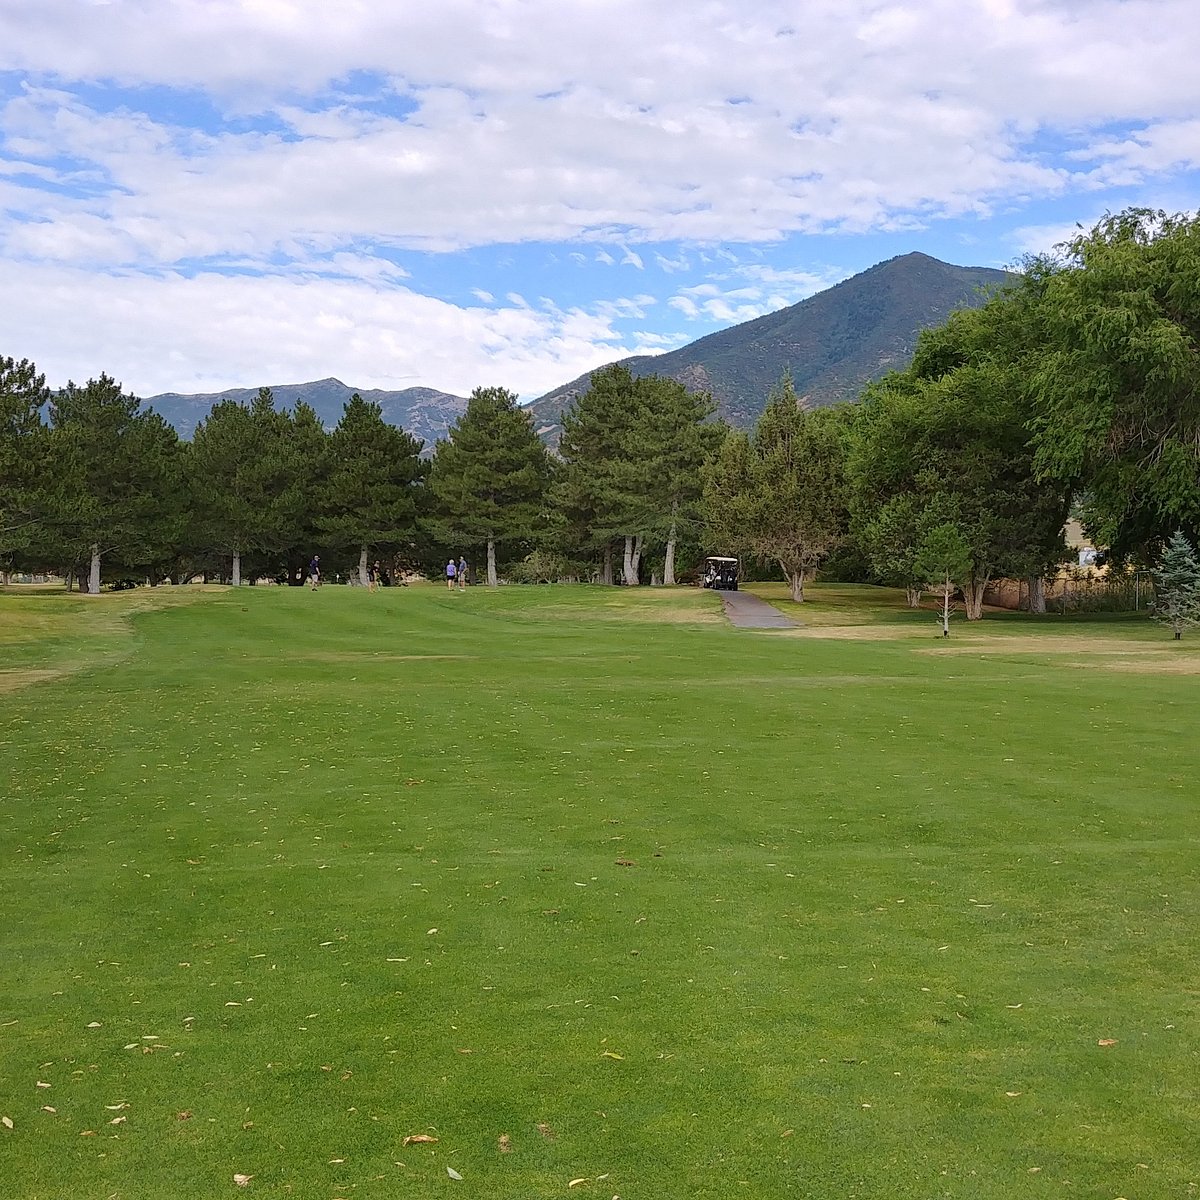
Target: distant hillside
(423, 412)
(833, 342)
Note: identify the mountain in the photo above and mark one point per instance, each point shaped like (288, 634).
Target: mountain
(833, 343)
(423, 412)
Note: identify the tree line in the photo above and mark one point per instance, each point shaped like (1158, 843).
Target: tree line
(1074, 388)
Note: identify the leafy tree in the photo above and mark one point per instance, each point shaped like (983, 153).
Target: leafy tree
(117, 479)
(780, 494)
(1118, 383)
(1177, 586)
(489, 477)
(23, 394)
(371, 500)
(947, 442)
(942, 558)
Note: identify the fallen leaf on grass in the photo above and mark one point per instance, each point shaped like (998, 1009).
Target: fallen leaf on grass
(787, 1133)
(505, 1144)
(47, 1108)
(626, 862)
(95, 1025)
(453, 1174)
(1013, 1093)
(415, 1139)
(545, 1131)
(1107, 1042)
(576, 1182)
(7, 1122)
(612, 1054)
(242, 1180)
(186, 1115)
(42, 1085)
(118, 1120)
(87, 1133)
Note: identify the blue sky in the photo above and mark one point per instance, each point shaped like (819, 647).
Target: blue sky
(211, 193)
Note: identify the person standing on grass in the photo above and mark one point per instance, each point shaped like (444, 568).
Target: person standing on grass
(451, 572)
(462, 572)
(314, 572)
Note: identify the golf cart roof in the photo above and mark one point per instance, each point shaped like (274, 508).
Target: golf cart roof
(719, 558)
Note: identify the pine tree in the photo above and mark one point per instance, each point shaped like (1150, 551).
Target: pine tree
(23, 393)
(489, 478)
(1177, 586)
(371, 499)
(116, 480)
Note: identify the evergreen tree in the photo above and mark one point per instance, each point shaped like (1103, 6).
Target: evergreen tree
(116, 477)
(1177, 586)
(376, 471)
(489, 478)
(23, 393)
(239, 477)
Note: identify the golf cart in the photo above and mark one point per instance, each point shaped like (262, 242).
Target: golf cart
(720, 574)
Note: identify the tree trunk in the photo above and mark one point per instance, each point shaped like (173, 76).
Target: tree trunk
(606, 577)
(947, 604)
(493, 580)
(669, 565)
(1037, 593)
(796, 583)
(913, 596)
(93, 585)
(633, 559)
(237, 568)
(362, 567)
(973, 596)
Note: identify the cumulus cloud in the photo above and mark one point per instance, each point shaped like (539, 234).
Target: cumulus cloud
(158, 150)
(209, 332)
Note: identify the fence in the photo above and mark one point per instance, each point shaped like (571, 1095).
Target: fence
(1080, 589)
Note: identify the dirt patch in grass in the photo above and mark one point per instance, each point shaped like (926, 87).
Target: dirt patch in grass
(12, 679)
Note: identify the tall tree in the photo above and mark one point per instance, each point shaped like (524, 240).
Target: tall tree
(592, 483)
(374, 480)
(23, 394)
(1118, 386)
(117, 480)
(780, 494)
(239, 476)
(489, 477)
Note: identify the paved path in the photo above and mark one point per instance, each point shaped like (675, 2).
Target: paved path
(747, 611)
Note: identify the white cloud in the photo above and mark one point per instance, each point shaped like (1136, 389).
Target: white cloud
(266, 136)
(210, 332)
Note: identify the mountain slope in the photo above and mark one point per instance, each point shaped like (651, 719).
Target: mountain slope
(423, 412)
(833, 343)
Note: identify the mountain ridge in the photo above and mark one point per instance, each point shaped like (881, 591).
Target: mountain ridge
(833, 342)
(424, 412)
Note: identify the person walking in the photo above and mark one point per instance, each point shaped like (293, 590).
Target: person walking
(314, 572)
(462, 573)
(451, 572)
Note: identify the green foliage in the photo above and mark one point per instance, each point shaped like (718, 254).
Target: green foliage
(780, 494)
(115, 486)
(632, 451)
(1177, 586)
(372, 493)
(490, 476)
(1118, 383)
(23, 394)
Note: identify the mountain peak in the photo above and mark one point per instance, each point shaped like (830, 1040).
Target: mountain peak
(833, 343)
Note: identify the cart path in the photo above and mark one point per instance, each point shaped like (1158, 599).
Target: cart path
(748, 611)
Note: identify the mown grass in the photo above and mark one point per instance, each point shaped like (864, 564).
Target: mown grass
(681, 910)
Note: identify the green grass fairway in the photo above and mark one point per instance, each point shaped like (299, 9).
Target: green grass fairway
(590, 887)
